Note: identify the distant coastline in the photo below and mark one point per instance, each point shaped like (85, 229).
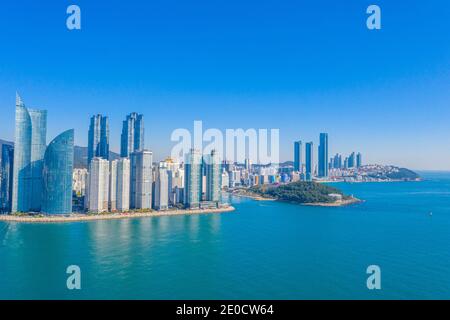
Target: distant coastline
(77, 217)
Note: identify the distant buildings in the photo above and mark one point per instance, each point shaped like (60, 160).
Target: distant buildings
(30, 143)
(57, 175)
(141, 180)
(309, 161)
(297, 156)
(6, 182)
(132, 138)
(98, 196)
(98, 138)
(323, 156)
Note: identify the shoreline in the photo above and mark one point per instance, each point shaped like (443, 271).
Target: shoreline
(110, 216)
(339, 203)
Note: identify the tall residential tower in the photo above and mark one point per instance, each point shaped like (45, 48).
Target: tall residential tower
(323, 155)
(132, 138)
(98, 143)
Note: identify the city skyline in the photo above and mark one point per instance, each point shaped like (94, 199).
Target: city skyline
(366, 89)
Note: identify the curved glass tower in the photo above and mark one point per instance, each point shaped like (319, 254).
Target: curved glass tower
(30, 142)
(57, 175)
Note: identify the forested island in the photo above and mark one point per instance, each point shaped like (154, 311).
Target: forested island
(301, 192)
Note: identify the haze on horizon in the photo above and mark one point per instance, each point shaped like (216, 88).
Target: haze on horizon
(304, 67)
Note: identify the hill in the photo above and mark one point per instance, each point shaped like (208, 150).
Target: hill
(300, 192)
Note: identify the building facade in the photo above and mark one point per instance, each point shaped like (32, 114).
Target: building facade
(132, 138)
(30, 144)
(57, 175)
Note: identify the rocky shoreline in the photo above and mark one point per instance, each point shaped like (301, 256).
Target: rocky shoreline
(108, 216)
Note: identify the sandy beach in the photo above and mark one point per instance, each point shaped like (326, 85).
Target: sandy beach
(107, 216)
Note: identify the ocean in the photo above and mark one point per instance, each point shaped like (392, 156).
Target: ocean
(263, 250)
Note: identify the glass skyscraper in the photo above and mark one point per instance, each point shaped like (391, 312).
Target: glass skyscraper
(213, 177)
(309, 161)
(297, 156)
(193, 179)
(30, 144)
(358, 160)
(6, 182)
(132, 138)
(323, 155)
(98, 143)
(57, 175)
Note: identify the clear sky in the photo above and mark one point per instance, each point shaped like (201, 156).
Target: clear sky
(304, 67)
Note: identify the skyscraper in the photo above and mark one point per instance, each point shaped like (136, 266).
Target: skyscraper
(297, 156)
(119, 185)
(213, 177)
(98, 140)
(161, 188)
(132, 138)
(6, 182)
(309, 161)
(141, 180)
(98, 186)
(358, 160)
(323, 155)
(30, 144)
(57, 175)
(351, 160)
(193, 179)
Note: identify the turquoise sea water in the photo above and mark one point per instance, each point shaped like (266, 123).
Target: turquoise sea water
(263, 250)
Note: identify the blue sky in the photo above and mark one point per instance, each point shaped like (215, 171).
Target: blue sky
(304, 67)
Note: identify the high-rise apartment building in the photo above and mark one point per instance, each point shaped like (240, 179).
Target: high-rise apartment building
(161, 188)
(297, 156)
(141, 180)
(323, 156)
(98, 186)
(132, 138)
(119, 189)
(98, 139)
(213, 177)
(358, 160)
(309, 161)
(193, 179)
